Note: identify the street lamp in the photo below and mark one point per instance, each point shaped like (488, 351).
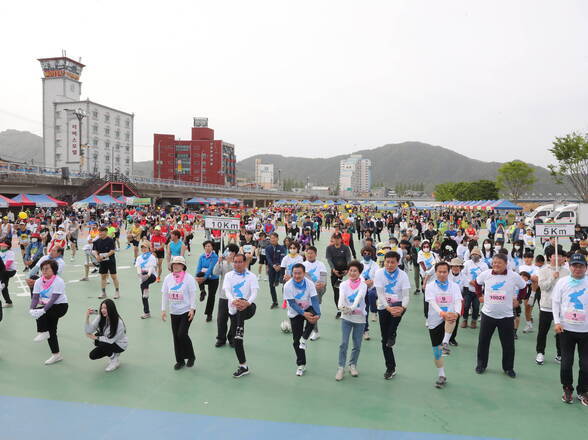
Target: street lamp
(81, 114)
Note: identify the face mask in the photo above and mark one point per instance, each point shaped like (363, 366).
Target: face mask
(34, 240)
(497, 248)
(475, 258)
(293, 252)
(449, 248)
(426, 249)
(487, 246)
(517, 247)
(367, 257)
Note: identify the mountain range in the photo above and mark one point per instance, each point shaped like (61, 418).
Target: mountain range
(406, 162)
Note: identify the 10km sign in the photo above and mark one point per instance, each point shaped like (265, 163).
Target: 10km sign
(554, 230)
(222, 223)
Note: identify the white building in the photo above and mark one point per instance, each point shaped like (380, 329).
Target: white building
(355, 176)
(101, 143)
(264, 174)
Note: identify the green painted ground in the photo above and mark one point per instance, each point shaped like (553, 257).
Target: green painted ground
(528, 407)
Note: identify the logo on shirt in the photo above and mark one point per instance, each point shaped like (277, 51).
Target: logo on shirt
(575, 299)
(498, 286)
(237, 289)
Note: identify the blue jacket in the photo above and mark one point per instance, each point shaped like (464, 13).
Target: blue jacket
(274, 254)
(207, 263)
(29, 250)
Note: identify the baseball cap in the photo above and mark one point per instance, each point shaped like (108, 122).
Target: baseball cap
(578, 259)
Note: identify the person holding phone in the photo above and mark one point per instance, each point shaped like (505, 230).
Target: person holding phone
(108, 332)
(179, 295)
(48, 304)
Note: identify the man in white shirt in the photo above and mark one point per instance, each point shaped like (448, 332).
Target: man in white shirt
(570, 314)
(472, 268)
(316, 271)
(392, 286)
(240, 287)
(501, 287)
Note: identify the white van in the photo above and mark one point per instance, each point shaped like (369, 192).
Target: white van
(540, 214)
(576, 213)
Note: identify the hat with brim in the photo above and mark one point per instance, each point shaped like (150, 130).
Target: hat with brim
(178, 259)
(456, 262)
(476, 251)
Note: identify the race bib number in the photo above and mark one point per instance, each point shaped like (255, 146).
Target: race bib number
(263, 252)
(497, 297)
(443, 301)
(176, 297)
(391, 299)
(204, 269)
(573, 316)
(157, 245)
(303, 304)
(105, 257)
(247, 248)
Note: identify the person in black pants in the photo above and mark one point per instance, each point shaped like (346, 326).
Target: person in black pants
(108, 332)
(222, 267)
(49, 292)
(5, 275)
(274, 253)
(338, 256)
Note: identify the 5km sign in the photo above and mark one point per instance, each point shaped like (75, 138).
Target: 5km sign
(223, 223)
(558, 230)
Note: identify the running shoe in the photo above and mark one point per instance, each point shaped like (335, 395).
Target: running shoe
(241, 371)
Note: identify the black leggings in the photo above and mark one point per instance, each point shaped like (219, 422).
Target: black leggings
(238, 321)
(48, 323)
(545, 319)
(212, 288)
(4, 278)
(104, 349)
(145, 285)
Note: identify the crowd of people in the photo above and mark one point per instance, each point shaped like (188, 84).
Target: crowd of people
(479, 271)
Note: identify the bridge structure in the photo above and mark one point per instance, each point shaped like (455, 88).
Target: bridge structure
(15, 179)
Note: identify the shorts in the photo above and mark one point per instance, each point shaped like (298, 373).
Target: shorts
(23, 247)
(253, 261)
(160, 253)
(73, 240)
(108, 266)
(436, 334)
(117, 235)
(262, 259)
(134, 243)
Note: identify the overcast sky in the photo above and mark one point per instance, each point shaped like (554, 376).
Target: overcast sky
(491, 80)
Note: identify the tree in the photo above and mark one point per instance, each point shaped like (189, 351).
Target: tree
(484, 190)
(515, 177)
(479, 190)
(571, 153)
(444, 191)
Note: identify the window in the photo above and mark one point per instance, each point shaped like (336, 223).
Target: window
(107, 132)
(107, 145)
(94, 129)
(127, 123)
(117, 134)
(127, 148)
(95, 156)
(117, 146)
(58, 142)
(58, 129)
(58, 157)
(117, 159)
(117, 121)
(107, 118)
(127, 161)
(94, 114)
(127, 136)
(95, 142)
(107, 157)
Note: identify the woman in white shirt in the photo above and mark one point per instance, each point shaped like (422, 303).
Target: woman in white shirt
(179, 295)
(48, 304)
(444, 298)
(353, 312)
(108, 332)
(146, 265)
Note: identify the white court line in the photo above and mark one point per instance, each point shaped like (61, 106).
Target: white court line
(21, 284)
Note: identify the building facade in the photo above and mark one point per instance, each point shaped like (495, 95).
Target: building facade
(264, 174)
(84, 136)
(355, 176)
(201, 159)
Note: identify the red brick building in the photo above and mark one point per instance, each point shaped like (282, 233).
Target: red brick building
(203, 159)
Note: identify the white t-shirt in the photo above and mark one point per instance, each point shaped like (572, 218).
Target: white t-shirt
(9, 256)
(288, 262)
(530, 269)
(429, 261)
(471, 271)
(180, 297)
(300, 296)
(461, 250)
(240, 286)
(354, 299)
(570, 304)
(499, 292)
(146, 265)
(392, 288)
(314, 270)
(369, 270)
(56, 288)
(446, 300)
(458, 279)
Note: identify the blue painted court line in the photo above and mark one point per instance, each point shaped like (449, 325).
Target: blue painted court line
(25, 418)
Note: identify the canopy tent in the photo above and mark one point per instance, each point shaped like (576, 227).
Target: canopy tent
(5, 202)
(134, 201)
(100, 200)
(502, 205)
(196, 201)
(38, 200)
(505, 205)
(306, 202)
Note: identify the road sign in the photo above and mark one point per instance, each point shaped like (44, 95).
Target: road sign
(222, 223)
(558, 230)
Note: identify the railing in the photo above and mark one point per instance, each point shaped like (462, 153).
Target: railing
(56, 172)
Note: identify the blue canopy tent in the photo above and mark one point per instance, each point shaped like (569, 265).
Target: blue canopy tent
(506, 205)
(197, 201)
(100, 200)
